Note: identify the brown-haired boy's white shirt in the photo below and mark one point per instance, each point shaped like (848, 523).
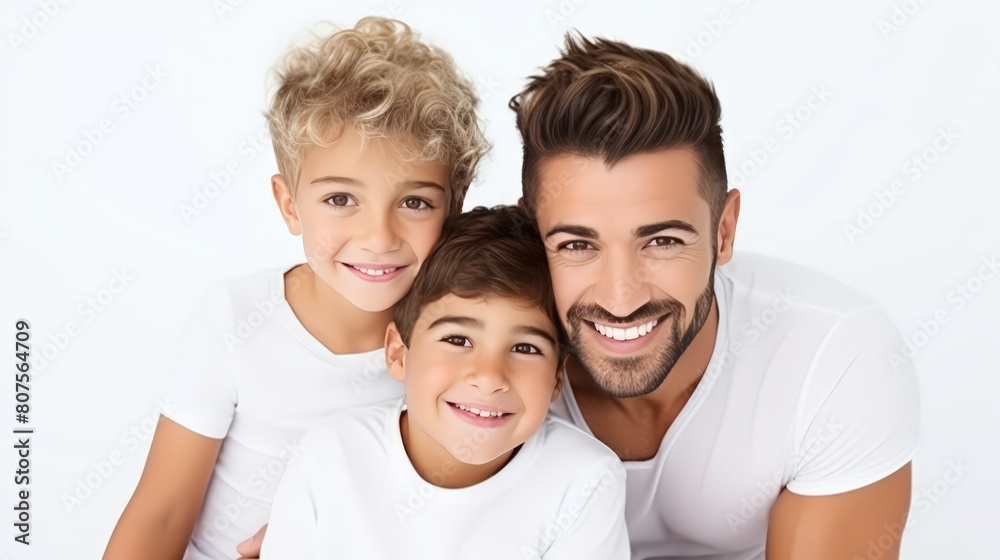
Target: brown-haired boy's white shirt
(353, 493)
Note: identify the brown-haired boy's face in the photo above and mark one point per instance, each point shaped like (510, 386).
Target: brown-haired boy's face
(479, 374)
(631, 255)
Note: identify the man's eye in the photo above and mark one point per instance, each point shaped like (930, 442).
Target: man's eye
(340, 200)
(665, 242)
(416, 204)
(575, 246)
(457, 340)
(525, 348)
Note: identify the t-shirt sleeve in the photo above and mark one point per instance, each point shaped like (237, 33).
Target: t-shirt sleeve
(293, 527)
(596, 514)
(858, 418)
(201, 384)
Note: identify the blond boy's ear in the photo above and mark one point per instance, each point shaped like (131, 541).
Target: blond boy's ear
(395, 352)
(283, 196)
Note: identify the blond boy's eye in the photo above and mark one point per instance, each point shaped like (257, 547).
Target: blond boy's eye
(416, 204)
(340, 200)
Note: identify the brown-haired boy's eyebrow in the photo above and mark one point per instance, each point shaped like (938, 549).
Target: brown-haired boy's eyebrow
(646, 231)
(470, 322)
(530, 330)
(580, 231)
(458, 320)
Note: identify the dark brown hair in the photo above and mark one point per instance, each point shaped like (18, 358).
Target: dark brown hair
(481, 253)
(607, 99)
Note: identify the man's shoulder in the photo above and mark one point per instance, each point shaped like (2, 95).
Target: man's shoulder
(752, 280)
(780, 318)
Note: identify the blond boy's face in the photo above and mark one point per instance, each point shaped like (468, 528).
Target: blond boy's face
(368, 217)
(479, 376)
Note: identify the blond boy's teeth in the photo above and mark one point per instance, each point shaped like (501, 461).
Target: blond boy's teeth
(481, 413)
(374, 272)
(630, 333)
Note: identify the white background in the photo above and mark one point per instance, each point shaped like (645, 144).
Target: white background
(63, 236)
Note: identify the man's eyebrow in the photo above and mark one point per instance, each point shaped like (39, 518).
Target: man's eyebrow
(645, 231)
(458, 320)
(528, 329)
(580, 231)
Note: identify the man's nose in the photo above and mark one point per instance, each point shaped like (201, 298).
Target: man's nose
(622, 284)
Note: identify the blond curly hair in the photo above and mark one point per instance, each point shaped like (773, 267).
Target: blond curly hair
(380, 79)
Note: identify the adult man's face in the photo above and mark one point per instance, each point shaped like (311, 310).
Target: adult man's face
(632, 258)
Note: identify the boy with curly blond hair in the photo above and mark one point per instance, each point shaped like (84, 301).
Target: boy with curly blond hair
(376, 140)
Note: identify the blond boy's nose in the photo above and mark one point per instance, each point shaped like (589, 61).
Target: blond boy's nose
(379, 235)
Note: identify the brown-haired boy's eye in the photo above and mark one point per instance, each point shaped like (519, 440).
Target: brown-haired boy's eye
(457, 340)
(525, 348)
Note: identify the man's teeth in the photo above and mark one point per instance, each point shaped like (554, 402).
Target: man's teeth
(373, 272)
(630, 333)
(482, 413)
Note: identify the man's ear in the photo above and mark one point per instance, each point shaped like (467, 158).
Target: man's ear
(395, 352)
(520, 203)
(283, 196)
(727, 228)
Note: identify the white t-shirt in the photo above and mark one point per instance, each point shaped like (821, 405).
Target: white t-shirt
(799, 393)
(353, 493)
(249, 372)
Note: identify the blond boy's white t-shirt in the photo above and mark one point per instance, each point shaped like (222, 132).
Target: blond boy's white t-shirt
(802, 392)
(353, 493)
(249, 372)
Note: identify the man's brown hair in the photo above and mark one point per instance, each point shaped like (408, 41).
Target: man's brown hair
(486, 252)
(607, 99)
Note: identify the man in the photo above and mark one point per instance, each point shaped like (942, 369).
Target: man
(755, 406)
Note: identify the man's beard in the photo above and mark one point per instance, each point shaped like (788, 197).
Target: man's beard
(640, 375)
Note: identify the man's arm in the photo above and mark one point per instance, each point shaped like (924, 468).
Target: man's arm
(841, 526)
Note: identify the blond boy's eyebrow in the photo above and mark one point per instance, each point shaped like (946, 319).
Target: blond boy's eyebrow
(355, 182)
(431, 184)
(342, 180)
(471, 322)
